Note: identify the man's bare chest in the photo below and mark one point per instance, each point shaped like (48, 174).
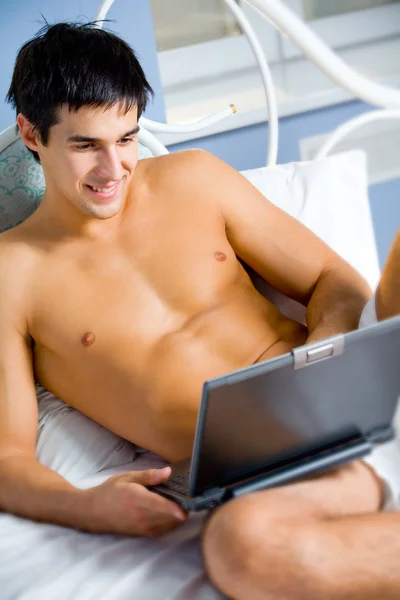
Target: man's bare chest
(124, 298)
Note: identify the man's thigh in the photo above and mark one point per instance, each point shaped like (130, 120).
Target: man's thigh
(349, 490)
(306, 540)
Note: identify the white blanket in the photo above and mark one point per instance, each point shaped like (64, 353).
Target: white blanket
(47, 562)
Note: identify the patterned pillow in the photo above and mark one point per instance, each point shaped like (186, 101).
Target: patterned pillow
(22, 183)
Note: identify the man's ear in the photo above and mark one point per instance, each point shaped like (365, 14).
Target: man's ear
(27, 132)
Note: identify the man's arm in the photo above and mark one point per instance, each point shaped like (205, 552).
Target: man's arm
(388, 292)
(28, 489)
(285, 253)
(337, 301)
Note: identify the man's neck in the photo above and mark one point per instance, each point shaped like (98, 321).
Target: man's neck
(66, 220)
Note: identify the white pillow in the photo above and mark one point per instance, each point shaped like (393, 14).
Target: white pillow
(330, 197)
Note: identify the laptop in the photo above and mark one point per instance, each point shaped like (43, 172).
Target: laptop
(304, 412)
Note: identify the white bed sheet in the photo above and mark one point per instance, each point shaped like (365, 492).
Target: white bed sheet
(48, 562)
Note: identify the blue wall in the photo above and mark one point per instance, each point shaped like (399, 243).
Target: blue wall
(384, 200)
(132, 20)
(243, 148)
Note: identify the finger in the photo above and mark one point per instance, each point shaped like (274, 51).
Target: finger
(158, 507)
(162, 475)
(148, 477)
(154, 524)
(160, 522)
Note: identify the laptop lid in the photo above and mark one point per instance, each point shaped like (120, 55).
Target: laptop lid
(257, 418)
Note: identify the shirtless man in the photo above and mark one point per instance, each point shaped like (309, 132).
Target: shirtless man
(123, 292)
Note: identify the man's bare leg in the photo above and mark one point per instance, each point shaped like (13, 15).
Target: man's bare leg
(321, 539)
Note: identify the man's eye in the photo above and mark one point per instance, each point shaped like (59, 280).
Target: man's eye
(84, 147)
(125, 140)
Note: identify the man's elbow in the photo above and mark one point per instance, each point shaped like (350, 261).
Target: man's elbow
(339, 297)
(349, 281)
(388, 292)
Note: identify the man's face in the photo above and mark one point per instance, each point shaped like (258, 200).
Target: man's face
(90, 157)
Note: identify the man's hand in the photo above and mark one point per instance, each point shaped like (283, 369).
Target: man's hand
(123, 505)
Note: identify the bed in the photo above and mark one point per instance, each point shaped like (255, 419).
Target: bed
(329, 195)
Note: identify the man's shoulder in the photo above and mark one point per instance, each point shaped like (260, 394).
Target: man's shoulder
(185, 175)
(17, 272)
(17, 256)
(182, 164)
(192, 156)
(17, 238)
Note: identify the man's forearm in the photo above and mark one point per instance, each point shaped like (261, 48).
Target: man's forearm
(337, 302)
(388, 292)
(30, 490)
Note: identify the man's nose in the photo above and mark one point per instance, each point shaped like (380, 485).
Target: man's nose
(109, 166)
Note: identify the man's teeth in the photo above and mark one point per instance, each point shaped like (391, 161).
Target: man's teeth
(103, 190)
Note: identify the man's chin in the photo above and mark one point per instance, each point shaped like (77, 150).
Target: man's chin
(105, 211)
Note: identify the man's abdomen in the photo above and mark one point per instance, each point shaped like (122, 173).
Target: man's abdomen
(153, 399)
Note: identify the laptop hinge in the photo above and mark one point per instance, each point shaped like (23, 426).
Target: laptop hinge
(312, 353)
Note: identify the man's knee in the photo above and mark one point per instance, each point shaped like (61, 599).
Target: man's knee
(252, 550)
(228, 546)
(225, 535)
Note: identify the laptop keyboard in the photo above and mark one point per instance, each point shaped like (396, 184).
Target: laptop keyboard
(179, 484)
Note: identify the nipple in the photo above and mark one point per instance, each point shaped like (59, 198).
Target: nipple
(220, 256)
(88, 339)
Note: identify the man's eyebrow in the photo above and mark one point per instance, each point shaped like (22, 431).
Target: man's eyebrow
(85, 139)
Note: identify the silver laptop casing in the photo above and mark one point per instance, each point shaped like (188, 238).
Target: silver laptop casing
(306, 411)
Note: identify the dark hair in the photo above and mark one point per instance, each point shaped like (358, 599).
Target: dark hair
(77, 65)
